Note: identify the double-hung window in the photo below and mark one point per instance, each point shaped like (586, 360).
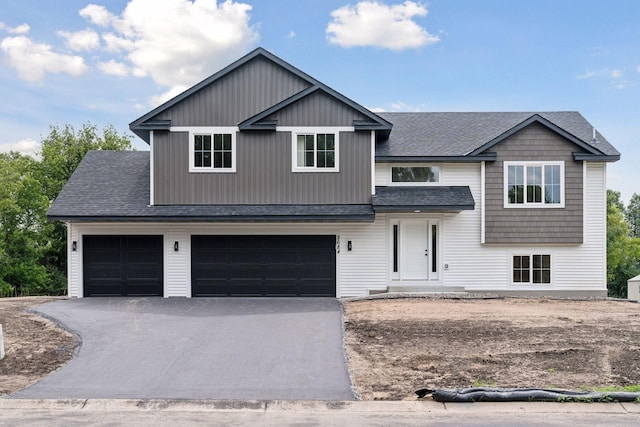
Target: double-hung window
(212, 151)
(532, 269)
(316, 152)
(534, 184)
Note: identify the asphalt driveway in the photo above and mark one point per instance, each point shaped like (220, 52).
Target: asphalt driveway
(201, 348)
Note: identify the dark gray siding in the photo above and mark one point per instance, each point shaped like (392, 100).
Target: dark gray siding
(534, 143)
(317, 109)
(263, 173)
(250, 89)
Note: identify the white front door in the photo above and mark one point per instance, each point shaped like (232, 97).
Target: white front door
(415, 250)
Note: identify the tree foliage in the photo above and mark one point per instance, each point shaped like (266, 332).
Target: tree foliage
(623, 249)
(33, 250)
(633, 215)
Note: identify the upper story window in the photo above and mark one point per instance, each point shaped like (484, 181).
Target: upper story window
(315, 151)
(534, 184)
(415, 175)
(212, 150)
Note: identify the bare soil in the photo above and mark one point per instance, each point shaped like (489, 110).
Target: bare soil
(397, 346)
(34, 346)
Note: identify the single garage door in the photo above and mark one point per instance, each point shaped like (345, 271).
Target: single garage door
(122, 265)
(263, 266)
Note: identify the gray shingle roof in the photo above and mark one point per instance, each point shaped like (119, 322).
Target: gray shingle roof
(457, 134)
(424, 199)
(114, 186)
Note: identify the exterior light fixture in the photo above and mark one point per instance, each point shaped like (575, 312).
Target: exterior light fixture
(74, 246)
(176, 246)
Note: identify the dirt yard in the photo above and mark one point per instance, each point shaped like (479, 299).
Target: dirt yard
(397, 346)
(34, 346)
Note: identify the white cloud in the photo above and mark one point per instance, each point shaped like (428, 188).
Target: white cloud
(167, 95)
(400, 106)
(114, 68)
(587, 75)
(81, 40)
(638, 68)
(370, 23)
(615, 77)
(114, 43)
(98, 15)
(33, 60)
(27, 146)
(175, 42)
(20, 29)
(291, 34)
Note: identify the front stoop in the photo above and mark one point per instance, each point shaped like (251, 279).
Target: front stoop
(426, 289)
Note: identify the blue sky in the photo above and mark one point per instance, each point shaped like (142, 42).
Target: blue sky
(72, 61)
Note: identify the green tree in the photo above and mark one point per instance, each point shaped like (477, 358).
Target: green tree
(64, 148)
(623, 250)
(633, 215)
(33, 250)
(23, 226)
(62, 151)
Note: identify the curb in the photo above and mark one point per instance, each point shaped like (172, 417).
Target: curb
(179, 405)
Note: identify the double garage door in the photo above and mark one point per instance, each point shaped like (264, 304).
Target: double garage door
(220, 265)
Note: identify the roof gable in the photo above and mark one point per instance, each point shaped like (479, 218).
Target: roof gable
(469, 136)
(536, 118)
(143, 125)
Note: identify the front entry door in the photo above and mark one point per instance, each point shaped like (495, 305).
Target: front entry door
(415, 250)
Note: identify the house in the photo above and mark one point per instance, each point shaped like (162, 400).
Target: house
(263, 181)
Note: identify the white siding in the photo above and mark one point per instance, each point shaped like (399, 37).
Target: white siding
(177, 264)
(357, 271)
(382, 174)
(366, 267)
(466, 260)
(74, 262)
(574, 267)
(363, 268)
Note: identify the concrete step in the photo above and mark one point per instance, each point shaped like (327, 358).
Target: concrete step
(426, 289)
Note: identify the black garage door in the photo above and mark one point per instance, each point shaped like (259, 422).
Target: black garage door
(122, 265)
(263, 266)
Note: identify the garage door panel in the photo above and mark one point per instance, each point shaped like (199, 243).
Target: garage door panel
(141, 287)
(148, 273)
(102, 256)
(145, 256)
(263, 265)
(107, 287)
(123, 265)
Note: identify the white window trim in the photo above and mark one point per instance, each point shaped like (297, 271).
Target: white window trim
(530, 255)
(295, 131)
(505, 175)
(413, 165)
(204, 130)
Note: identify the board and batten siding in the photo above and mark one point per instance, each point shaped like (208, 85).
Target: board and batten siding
(317, 109)
(263, 173)
(534, 225)
(248, 90)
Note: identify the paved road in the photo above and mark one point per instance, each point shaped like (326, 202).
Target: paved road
(204, 348)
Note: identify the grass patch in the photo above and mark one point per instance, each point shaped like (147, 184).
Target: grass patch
(613, 388)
